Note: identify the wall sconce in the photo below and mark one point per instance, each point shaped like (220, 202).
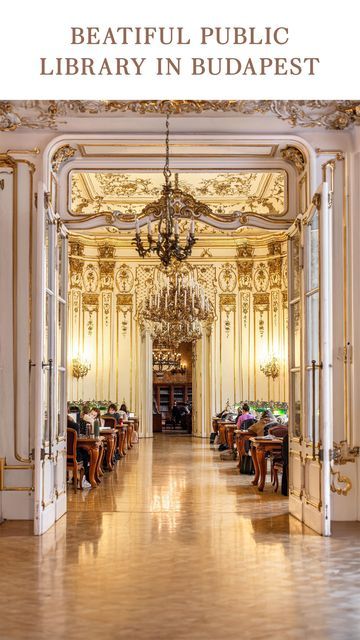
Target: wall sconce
(80, 367)
(271, 367)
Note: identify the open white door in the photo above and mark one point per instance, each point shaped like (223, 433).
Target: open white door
(310, 352)
(50, 402)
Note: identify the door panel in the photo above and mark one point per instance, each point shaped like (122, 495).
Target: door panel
(50, 410)
(310, 366)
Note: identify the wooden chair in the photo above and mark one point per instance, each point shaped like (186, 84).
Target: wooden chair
(109, 422)
(72, 464)
(277, 461)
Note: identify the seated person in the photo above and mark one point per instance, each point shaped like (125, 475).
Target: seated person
(112, 412)
(81, 455)
(123, 413)
(92, 415)
(259, 428)
(244, 415)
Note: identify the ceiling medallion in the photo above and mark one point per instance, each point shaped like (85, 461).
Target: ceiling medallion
(172, 205)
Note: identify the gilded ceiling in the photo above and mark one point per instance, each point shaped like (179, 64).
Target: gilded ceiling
(259, 192)
(54, 114)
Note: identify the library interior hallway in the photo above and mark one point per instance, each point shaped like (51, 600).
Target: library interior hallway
(176, 544)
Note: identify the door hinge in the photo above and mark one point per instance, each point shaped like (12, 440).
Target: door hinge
(42, 453)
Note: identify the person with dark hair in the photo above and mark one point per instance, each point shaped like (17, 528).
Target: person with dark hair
(123, 412)
(112, 412)
(245, 415)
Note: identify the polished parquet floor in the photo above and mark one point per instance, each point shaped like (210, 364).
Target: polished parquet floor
(176, 545)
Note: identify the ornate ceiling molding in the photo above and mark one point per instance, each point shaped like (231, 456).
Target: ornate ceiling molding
(294, 156)
(61, 155)
(50, 114)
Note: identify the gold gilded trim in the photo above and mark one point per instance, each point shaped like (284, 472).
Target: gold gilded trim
(48, 114)
(338, 477)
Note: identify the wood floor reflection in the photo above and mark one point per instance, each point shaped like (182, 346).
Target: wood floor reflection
(176, 545)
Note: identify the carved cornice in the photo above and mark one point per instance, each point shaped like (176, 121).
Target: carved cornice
(245, 251)
(274, 248)
(76, 248)
(61, 155)
(49, 114)
(295, 157)
(106, 251)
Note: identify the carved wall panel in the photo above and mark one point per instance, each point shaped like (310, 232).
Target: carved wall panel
(124, 278)
(249, 318)
(261, 277)
(227, 278)
(91, 278)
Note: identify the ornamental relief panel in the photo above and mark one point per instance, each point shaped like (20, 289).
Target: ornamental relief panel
(261, 277)
(245, 305)
(261, 305)
(275, 267)
(106, 305)
(206, 276)
(245, 274)
(107, 274)
(124, 305)
(285, 274)
(91, 278)
(50, 114)
(124, 279)
(90, 303)
(227, 278)
(228, 306)
(76, 267)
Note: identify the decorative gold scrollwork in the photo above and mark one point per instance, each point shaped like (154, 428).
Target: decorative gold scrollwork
(295, 157)
(61, 155)
(337, 477)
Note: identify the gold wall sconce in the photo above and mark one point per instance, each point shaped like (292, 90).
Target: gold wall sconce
(80, 367)
(271, 367)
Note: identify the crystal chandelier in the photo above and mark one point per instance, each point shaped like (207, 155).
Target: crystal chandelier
(166, 358)
(177, 298)
(172, 205)
(177, 331)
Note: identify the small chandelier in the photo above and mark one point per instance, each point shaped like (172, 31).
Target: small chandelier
(80, 367)
(166, 359)
(172, 204)
(271, 368)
